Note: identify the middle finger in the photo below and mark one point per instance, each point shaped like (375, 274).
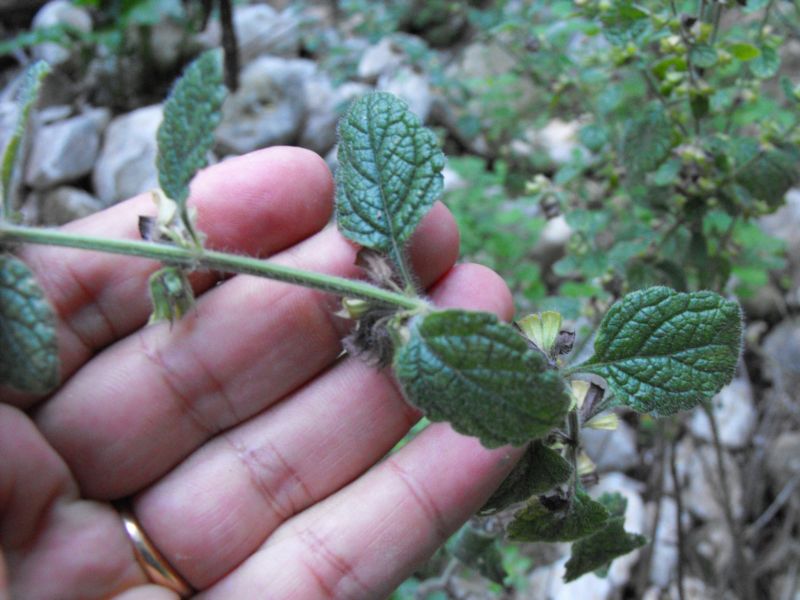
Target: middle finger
(216, 508)
(144, 404)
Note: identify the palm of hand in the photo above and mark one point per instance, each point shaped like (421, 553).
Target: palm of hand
(248, 450)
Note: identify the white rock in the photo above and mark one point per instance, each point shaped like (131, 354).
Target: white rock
(261, 30)
(65, 204)
(452, 180)
(588, 587)
(59, 12)
(65, 150)
(480, 61)
(552, 241)
(412, 87)
(558, 139)
(332, 158)
(325, 104)
(269, 106)
(611, 450)
(51, 114)
(383, 58)
(477, 67)
(783, 459)
(714, 543)
(126, 165)
(694, 589)
(784, 224)
(787, 585)
(702, 491)
(735, 412)
(664, 563)
(781, 349)
(29, 210)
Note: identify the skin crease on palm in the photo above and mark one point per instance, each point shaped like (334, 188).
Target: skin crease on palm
(254, 458)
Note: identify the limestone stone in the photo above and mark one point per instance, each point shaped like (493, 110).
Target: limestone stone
(65, 150)
(126, 165)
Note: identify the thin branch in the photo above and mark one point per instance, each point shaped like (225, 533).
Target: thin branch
(656, 479)
(438, 584)
(679, 525)
(230, 45)
(762, 27)
(651, 85)
(783, 496)
(717, 19)
(741, 563)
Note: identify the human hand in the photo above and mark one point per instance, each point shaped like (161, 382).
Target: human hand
(250, 454)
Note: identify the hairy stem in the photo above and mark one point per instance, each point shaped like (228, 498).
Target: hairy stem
(573, 446)
(213, 261)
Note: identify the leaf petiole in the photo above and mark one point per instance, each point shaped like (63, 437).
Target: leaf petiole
(213, 261)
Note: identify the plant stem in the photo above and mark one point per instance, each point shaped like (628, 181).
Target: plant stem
(213, 261)
(764, 21)
(679, 510)
(574, 433)
(653, 87)
(717, 19)
(742, 565)
(438, 584)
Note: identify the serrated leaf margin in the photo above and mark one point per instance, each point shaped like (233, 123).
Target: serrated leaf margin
(186, 134)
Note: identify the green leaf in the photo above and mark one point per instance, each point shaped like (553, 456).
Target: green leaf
(596, 551)
(703, 56)
(389, 175)
(624, 22)
(647, 141)
(662, 351)
(668, 172)
(29, 357)
(480, 552)
(538, 471)
(479, 374)
(186, 135)
(171, 294)
(616, 504)
(766, 64)
(789, 90)
(744, 51)
(539, 523)
(28, 93)
(62, 34)
(593, 137)
(770, 174)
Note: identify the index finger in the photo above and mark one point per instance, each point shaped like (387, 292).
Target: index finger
(257, 204)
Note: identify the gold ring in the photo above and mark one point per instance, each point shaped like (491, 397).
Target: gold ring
(156, 567)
